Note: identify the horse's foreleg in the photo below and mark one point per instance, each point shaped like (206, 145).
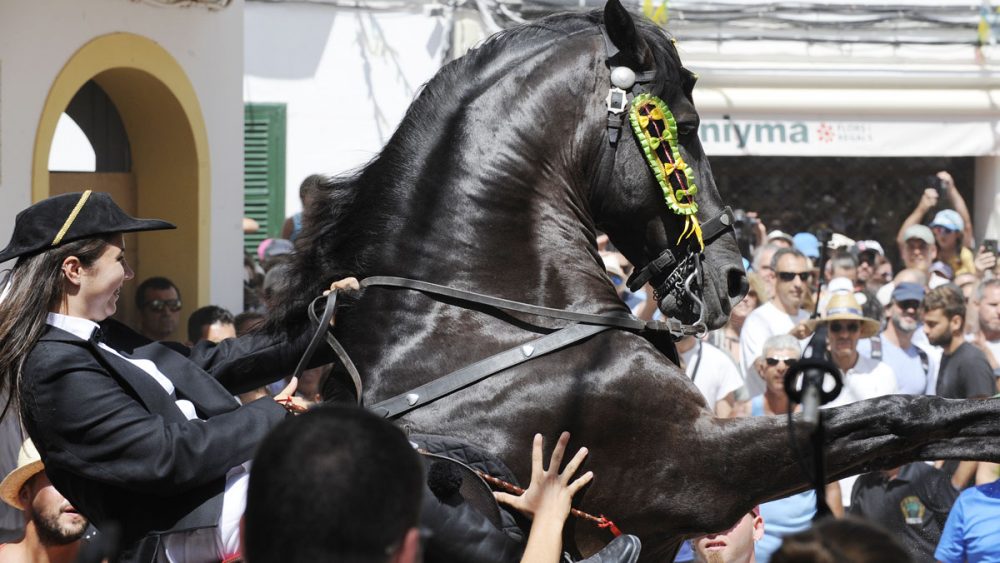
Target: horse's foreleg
(866, 436)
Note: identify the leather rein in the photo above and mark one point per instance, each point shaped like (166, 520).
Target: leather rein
(581, 327)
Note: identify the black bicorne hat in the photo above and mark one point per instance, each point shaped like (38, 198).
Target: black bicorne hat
(69, 217)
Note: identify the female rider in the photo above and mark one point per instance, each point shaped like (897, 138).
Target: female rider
(142, 437)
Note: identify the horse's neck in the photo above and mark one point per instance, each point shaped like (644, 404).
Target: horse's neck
(502, 211)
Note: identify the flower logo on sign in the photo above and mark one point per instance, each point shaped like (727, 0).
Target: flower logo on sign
(825, 133)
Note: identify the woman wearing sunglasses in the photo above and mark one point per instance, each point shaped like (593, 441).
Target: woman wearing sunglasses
(142, 438)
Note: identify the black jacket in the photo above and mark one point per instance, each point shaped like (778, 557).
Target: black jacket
(115, 443)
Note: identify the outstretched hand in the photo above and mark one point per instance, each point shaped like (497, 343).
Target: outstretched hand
(550, 493)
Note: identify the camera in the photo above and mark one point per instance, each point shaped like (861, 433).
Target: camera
(740, 219)
(990, 245)
(938, 184)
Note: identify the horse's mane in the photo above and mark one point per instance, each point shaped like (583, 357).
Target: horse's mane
(341, 229)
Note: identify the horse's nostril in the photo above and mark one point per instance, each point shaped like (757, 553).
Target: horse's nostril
(737, 284)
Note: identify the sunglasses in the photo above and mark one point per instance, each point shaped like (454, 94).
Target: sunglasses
(160, 304)
(616, 279)
(790, 362)
(849, 327)
(789, 276)
(908, 304)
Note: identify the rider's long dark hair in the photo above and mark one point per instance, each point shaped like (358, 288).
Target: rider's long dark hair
(35, 288)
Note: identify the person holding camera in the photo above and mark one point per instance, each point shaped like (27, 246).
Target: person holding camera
(952, 227)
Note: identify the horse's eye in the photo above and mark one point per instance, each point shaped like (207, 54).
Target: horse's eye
(687, 128)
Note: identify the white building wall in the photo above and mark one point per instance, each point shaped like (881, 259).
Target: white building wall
(346, 75)
(38, 37)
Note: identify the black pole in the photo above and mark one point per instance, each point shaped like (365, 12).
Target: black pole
(814, 367)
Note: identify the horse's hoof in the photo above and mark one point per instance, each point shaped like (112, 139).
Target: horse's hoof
(623, 549)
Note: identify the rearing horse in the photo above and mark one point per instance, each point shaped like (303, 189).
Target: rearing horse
(497, 181)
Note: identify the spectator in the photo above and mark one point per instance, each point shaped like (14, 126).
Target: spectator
(274, 251)
(864, 378)
(783, 314)
(867, 253)
(842, 265)
(910, 275)
(643, 304)
(911, 502)
(915, 369)
(53, 528)
(735, 545)
(940, 274)
(987, 296)
(713, 373)
(964, 371)
(807, 244)
(309, 191)
(347, 486)
(344, 485)
(780, 239)
(248, 321)
(882, 275)
(917, 247)
(762, 267)
(793, 513)
(212, 323)
(727, 338)
(159, 304)
(949, 228)
(972, 531)
(844, 540)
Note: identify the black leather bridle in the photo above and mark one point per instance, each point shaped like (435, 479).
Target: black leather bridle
(676, 277)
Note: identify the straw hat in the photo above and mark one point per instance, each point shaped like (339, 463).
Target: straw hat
(29, 464)
(844, 307)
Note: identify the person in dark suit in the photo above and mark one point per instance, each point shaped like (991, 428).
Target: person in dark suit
(142, 437)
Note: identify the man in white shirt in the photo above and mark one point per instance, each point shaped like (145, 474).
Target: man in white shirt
(713, 373)
(783, 314)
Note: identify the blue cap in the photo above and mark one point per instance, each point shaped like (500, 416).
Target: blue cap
(908, 291)
(948, 219)
(807, 244)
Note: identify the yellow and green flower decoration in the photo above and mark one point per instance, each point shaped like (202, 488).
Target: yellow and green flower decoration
(656, 129)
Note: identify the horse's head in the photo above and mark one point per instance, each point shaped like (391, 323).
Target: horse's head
(655, 195)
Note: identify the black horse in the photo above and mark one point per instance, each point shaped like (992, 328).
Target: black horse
(497, 181)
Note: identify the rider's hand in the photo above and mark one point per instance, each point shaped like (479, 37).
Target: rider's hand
(287, 398)
(550, 493)
(929, 200)
(346, 283)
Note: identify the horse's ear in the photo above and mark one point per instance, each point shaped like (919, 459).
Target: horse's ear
(622, 32)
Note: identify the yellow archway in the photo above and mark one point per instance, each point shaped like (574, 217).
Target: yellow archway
(169, 146)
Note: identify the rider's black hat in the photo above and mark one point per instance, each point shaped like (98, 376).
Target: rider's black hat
(69, 217)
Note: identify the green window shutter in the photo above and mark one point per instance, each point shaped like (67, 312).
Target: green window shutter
(263, 170)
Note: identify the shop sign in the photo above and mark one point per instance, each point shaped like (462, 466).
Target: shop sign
(783, 137)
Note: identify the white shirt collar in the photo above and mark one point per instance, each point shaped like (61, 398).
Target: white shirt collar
(82, 328)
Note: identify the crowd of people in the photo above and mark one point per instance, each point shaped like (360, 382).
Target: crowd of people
(929, 327)
(161, 465)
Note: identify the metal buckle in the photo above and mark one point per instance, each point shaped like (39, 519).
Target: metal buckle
(617, 100)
